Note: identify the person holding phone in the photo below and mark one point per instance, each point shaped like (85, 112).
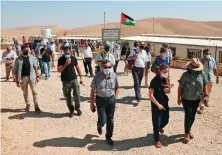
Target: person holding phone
(106, 87)
(159, 102)
(66, 66)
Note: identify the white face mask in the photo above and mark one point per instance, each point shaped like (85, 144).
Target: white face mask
(165, 75)
(208, 56)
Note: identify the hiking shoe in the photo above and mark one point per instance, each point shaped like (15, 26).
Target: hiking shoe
(200, 111)
(37, 110)
(109, 141)
(27, 109)
(100, 130)
(79, 112)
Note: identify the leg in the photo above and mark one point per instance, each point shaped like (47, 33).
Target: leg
(24, 87)
(188, 115)
(41, 66)
(85, 66)
(110, 110)
(146, 74)
(194, 107)
(136, 83)
(156, 123)
(48, 67)
(67, 88)
(141, 73)
(164, 118)
(34, 93)
(89, 63)
(45, 66)
(101, 105)
(8, 70)
(76, 94)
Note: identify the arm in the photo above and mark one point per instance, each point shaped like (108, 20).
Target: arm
(117, 92)
(179, 94)
(42, 53)
(152, 98)
(92, 96)
(61, 68)
(79, 72)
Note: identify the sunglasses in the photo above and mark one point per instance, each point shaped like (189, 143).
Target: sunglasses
(107, 67)
(208, 53)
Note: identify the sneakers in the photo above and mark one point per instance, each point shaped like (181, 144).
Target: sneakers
(37, 110)
(79, 112)
(100, 130)
(27, 109)
(109, 141)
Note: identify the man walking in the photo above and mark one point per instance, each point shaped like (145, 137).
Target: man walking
(116, 54)
(26, 73)
(210, 69)
(139, 55)
(106, 87)
(124, 55)
(46, 54)
(39, 56)
(87, 59)
(8, 57)
(66, 66)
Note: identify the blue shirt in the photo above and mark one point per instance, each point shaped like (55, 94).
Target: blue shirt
(159, 61)
(209, 66)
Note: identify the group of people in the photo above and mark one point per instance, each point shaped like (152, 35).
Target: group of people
(194, 85)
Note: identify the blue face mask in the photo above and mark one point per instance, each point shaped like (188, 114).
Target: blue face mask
(67, 56)
(107, 71)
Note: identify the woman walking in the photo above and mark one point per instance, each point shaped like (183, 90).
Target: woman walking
(190, 93)
(160, 109)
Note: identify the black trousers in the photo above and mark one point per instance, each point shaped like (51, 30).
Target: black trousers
(115, 67)
(88, 65)
(160, 119)
(106, 110)
(137, 78)
(190, 109)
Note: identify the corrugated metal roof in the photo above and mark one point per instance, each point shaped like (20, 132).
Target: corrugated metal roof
(183, 41)
(79, 38)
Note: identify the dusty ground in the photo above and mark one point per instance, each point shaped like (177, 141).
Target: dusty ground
(53, 133)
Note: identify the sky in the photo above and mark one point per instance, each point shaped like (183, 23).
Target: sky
(74, 14)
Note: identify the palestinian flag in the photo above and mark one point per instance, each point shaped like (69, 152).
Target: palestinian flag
(127, 20)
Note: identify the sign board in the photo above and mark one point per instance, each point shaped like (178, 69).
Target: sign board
(111, 34)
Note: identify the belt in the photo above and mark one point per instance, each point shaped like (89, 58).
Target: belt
(104, 98)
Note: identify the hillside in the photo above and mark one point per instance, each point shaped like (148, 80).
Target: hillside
(162, 26)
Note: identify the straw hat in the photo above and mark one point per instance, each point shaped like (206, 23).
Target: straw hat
(195, 65)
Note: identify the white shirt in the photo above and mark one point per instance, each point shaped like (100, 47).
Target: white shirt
(169, 55)
(53, 48)
(9, 57)
(108, 56)
(87, 52)
(116, 52)
(141, 58)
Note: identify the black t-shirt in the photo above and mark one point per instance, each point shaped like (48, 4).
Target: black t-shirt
(46, 56)
(26, 66)
(69, 73)
(157, 84)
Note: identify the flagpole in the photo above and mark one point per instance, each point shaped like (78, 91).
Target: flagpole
(153, 25)
(120, 25)
(104, 19)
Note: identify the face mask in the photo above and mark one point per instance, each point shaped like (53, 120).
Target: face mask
(106, 49)
(208, 56)
(107, 71)
(164, 75)
(26, 53)
(162, 55)
(67, 56)
(142, 47)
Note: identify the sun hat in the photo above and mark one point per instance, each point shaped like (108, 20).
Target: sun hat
(195, 65)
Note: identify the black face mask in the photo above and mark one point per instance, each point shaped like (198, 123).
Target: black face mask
(107, 49)
(26, 52)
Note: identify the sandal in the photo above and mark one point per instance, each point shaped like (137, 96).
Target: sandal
(158, 145)
(186, 140)
(191, 136)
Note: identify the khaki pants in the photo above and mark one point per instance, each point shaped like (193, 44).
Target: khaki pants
(25, 82)
(9, 68)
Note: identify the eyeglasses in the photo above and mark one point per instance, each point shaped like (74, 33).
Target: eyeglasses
(107, 67)
(208, 53)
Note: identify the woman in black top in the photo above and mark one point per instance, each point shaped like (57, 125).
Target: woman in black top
(160, 109)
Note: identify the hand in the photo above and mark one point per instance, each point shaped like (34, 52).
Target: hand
(160, 107)
(81, 81)
(92, 107)
(217, 81)
(68, 61)
(37, 79)
(166, 90)
(179, 101)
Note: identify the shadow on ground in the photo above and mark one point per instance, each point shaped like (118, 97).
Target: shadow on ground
(100, 145)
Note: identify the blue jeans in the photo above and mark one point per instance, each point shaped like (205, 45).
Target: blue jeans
(105, 110)
(41, 65)
(137, 78)
(46, 66)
